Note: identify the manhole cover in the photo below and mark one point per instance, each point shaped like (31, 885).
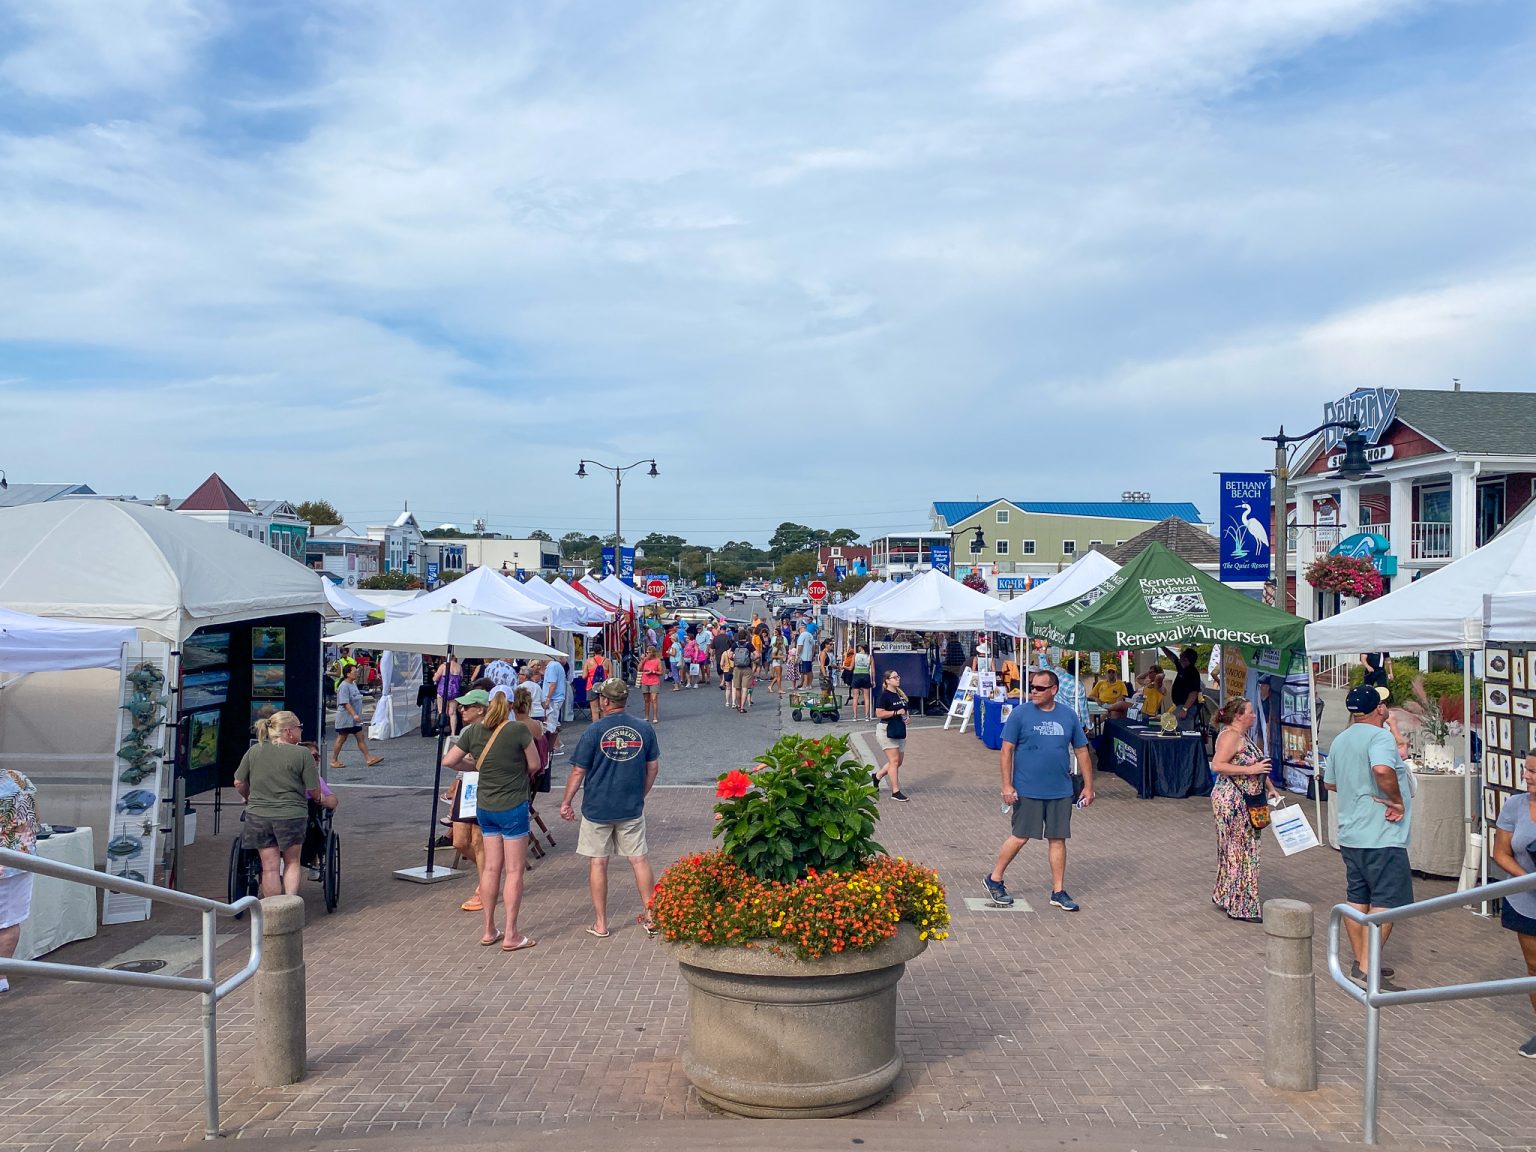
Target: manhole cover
(140, 966)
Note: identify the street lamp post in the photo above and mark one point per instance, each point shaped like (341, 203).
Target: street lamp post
(1353, 467)
(618, 487)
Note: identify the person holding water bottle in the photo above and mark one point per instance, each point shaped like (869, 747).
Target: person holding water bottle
(1040, 742)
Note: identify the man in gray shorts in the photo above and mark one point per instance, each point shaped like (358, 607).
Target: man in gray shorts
(1040, 741)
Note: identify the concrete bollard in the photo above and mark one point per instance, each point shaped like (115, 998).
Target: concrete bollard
(1290, 997)
(281, 1026)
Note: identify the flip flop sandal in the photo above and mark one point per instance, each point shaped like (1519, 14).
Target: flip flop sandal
(647, 924)
(337, 764)
(375, 760)
(525, 942)
(496, 939)
(592, 931)
(473, 905)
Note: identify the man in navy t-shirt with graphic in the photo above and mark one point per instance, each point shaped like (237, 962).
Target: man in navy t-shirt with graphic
(1040, 741)
(616, 762)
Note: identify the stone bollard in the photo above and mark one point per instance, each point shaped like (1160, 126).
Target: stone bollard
(281, 1035)
(1290, 997)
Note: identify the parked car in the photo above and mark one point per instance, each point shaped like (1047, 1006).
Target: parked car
(696, 616)
(736, 596)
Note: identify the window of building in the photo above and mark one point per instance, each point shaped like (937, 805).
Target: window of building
(1118, 543)
(1069, 547)
(1002, 515)
(1002, 547)
(1095, 543)
(1027, 548)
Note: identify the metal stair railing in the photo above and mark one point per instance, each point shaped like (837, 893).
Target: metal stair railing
(1375, 999)
(211, 989)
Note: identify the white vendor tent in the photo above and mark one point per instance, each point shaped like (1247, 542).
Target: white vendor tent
(847, 609)
(615, 591)
(451, 628)
(931, 602)
(36, 644)
(1445, 609)
(860, 613)
(347, 605)
(116, 563)
(587, 613)
(1085, 574)
(598, 614)
(489, 593)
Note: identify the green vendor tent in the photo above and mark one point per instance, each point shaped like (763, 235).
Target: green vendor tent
(1158, 599)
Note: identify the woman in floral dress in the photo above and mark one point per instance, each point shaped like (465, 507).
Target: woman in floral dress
(1242, 769)
(18, 832)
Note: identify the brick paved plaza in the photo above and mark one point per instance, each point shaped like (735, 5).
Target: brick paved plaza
(1141, 1013)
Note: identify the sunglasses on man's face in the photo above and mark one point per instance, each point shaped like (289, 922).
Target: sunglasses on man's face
(1041, 687)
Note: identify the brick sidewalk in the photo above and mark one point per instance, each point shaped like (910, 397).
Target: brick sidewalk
(1139, 1014)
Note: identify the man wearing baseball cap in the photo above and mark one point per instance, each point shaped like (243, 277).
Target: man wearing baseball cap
(1371, 790)
(616, 761)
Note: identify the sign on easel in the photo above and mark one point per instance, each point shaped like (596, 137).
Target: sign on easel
(960, 707)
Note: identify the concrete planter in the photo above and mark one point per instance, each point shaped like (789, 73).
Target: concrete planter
(783, 1038)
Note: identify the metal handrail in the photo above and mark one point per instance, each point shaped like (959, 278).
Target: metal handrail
(211, 989)
(1375, 999)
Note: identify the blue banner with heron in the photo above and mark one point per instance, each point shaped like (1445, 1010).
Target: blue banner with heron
(1244, 527)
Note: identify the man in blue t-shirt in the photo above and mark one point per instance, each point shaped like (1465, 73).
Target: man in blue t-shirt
(1040, 741)
(1369, 782)
(616, 761)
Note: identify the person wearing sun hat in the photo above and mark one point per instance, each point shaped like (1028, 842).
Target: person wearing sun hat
(1371, 789)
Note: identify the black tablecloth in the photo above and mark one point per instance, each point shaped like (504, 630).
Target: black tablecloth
(1155, 765)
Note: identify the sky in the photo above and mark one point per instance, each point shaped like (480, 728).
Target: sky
(826, 263)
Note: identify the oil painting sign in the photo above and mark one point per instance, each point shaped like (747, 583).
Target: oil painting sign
(1245, 522)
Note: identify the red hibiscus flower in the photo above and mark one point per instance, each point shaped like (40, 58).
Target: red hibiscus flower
(733, 785)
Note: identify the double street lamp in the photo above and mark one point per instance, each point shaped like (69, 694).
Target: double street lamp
(1354, 466)
(618, 488)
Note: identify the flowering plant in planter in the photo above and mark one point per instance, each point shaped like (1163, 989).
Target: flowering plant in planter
(799, 868)
(1348, 575)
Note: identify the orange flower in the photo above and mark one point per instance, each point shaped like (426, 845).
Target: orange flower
(733, 785)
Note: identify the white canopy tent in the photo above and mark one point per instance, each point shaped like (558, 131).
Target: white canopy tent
(931, 602)
(490, 594)
(1444, 608)
(846, 610)
(346, 605)
(599, 615)
(860, 613)
(588, 613)
(615, 591)
(1085, 574)
(36, 644)
(115, 563)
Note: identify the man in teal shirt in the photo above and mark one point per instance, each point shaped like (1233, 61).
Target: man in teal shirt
(1371, 791)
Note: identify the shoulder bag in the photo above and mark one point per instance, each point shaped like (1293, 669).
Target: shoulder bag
(896, 727)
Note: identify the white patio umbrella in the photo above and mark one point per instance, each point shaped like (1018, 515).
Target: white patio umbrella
(450, 631)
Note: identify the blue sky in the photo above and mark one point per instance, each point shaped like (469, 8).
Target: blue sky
(825, 262)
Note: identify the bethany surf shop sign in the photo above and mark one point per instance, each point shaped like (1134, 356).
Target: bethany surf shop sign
(1373, 408)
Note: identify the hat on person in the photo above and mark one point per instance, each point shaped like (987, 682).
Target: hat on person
(1364, 700)
(614, 689)
(477, 696)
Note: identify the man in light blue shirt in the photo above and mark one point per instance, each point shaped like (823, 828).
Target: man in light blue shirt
(1371, 791)
(554, 700)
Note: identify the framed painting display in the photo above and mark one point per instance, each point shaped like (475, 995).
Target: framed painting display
(269, 643)
(1530, 738)
(1523, 706)
(1491, 731)
(205, 650)
(1506, 735)
(1530, 668)
(1490, 804)
(1496, 698)
(269, 681)
(203, 738)
(263, 710)
(203, 690)
(1517, 679)
(1496, 664)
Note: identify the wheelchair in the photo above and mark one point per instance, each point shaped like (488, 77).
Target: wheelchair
(321, 853)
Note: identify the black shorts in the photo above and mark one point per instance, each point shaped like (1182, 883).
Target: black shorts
(265, 832)
(1378, 877)
(1517, 921)
(1042, 819)
(860, 681)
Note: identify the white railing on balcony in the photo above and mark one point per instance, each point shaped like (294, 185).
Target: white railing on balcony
(1326, 537)
(1431, 541)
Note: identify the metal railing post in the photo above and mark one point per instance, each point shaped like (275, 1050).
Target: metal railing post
(1372, 1030)
(210, 1027)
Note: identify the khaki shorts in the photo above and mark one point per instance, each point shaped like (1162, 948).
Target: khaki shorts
(626, 838)
(886, 742)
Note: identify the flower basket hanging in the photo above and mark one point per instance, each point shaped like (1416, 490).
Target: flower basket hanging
(1346, 575)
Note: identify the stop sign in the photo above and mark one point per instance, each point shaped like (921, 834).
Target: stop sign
(656, 587)
(817, 590)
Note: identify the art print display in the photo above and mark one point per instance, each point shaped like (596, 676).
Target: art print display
(201, 690)
(269, 643)
(203, 739)
(269, 681)
(1509, 699)
(138, 777)
(1495, 698)
(1517, 675)
(1506, 733)
(1523, 706)
(263, 710)
(1496, 664)
(205, 650)
(1491, 731)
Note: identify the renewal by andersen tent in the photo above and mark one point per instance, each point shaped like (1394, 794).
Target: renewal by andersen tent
(116, 563)
(36, 644)
(1158, 599)
(1445, 609)
(1085, 574)
(932, 602)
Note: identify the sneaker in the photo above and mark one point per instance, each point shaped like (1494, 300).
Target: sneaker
(1387, 985)
(902, 796)
(314, 872)
(1063, 901)
(874, 782)
(1528, 1049)
(998, 891)
(1358, 973)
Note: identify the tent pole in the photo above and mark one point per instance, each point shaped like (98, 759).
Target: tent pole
(437, 777)
(1317, 739)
